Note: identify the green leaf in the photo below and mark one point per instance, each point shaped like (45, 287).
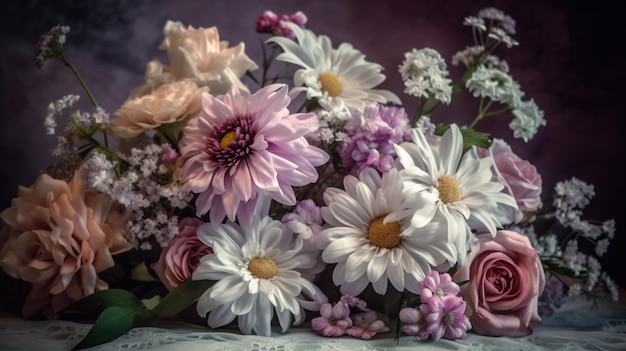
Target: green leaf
(141, 273)
(93, 305)
(470, 136)
(112, 323)
(181, 297)
(152, 302)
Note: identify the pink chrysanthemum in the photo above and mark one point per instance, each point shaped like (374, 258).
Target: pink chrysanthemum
(241, 148)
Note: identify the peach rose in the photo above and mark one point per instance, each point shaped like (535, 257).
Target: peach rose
(506, 279)
(170, 103)
(60, 238)
(182, 255)
(199, 55)
(520, 177)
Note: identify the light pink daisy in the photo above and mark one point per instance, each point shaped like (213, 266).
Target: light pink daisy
(243, 148)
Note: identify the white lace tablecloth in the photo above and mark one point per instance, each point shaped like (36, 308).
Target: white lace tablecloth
(578, 325)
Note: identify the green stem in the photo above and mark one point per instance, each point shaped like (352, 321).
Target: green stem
(93, 141)
(80, 79)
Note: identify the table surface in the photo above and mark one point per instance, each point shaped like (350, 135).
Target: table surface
(577, 325)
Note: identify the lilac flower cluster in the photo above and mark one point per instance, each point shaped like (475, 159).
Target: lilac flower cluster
(337, 319)
(371, 142)
(441, 312)
(269, 22)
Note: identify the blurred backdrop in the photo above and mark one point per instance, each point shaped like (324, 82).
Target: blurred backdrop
(570, 61)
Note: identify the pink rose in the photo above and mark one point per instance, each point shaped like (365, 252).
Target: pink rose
(519, 176)
(59, 237)
(168, 104)
(199, 55)
(182, 255)
(506, 279)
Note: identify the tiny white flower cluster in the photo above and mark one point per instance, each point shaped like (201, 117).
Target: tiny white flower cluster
(570, 197)
(495, 84)
(331, 127)
(50, 44)
(141, 191)
(56, 109)
(425, 73)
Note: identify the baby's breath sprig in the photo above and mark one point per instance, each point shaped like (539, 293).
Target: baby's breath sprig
(50, 45)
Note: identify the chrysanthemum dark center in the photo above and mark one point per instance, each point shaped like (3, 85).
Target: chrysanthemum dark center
(449, 190)
(384, 235)
(231, 141)
(330, 84)
(262, 268)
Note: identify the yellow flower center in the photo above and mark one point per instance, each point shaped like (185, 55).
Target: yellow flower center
(384, 235)
(227, 138)
(448, 189)
(330, 84)
(262, 267)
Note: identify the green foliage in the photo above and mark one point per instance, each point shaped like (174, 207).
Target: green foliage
(117, 311)
(470, 136)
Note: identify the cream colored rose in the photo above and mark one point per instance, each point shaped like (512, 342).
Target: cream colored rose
(199, 55)
(59, 239)
(169, 103)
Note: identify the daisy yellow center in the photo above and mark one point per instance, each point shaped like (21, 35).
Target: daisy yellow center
(262, 268)
(330, 84)
(227, 138)
(449, 190)
(384, 235)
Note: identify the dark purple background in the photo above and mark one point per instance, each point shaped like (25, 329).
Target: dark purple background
(570, 60)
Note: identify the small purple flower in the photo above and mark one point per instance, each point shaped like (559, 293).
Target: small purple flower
(446, 318)
(355, 302)
(552, 296)
(334, 320)
(306, 220)
(372, 142)
(414, 321)
(436, 285)
(366, 325)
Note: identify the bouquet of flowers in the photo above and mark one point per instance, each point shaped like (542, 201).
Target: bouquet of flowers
(295, 192)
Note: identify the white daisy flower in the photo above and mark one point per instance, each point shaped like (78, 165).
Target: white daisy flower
(338, 78)
(447, 182)
(258, 273)
(372, 240)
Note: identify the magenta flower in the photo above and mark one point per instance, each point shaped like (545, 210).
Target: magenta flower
(269, 22)
(446, 318)
(242, 148)
(436, 284)
(334, 320)
(366, 325)
(414, 321)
